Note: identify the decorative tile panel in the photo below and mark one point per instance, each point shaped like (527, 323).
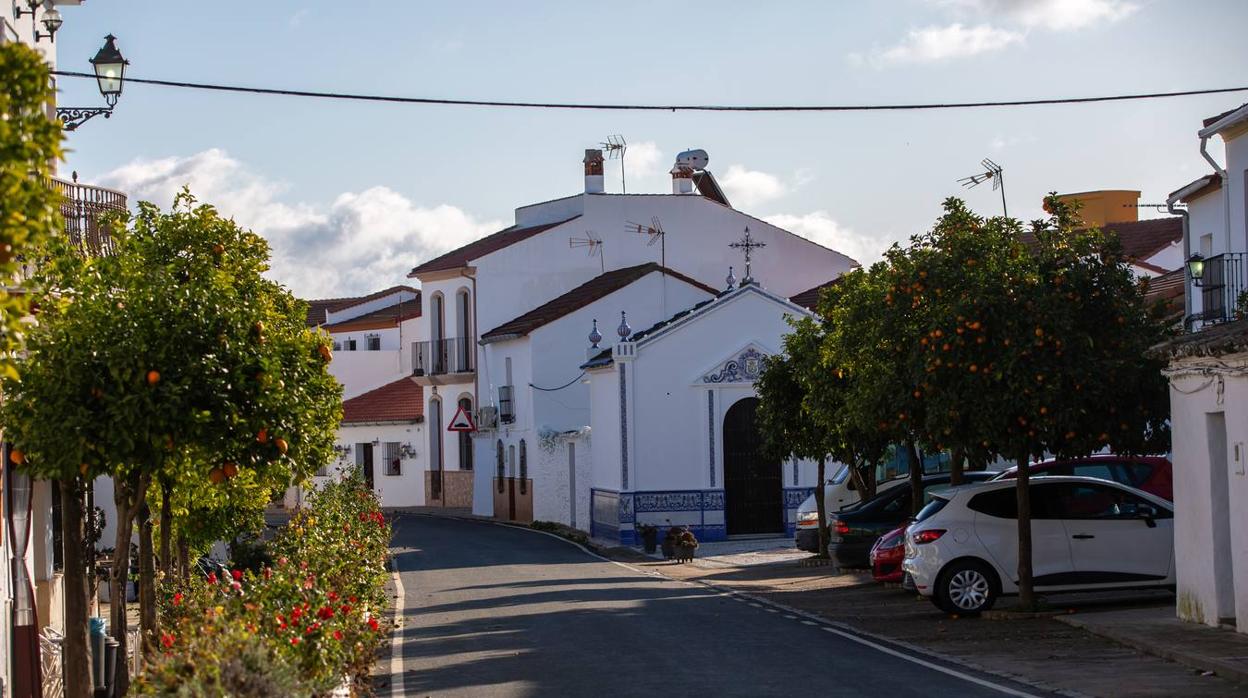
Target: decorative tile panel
(744, 368)
(668, 501)
(626, 508)
(794, 496)
(623, 429)
(710, 428)
(713, 500)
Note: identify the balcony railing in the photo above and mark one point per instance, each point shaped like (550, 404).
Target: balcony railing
(442, 356)
(84, 208)
(1220, 287)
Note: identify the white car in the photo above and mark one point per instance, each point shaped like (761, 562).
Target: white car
(1087, 534)
(839, 492)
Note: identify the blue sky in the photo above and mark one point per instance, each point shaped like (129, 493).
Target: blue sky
(352, 195)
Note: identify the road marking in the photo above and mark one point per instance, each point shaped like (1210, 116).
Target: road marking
(772, 610)
(788, 617)
(396, 642)
(809, 622)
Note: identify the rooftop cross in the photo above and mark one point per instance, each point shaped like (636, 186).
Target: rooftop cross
(748, 244)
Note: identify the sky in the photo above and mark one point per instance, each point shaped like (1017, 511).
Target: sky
(352, 195)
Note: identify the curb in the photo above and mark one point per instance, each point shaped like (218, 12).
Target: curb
(1221, 668)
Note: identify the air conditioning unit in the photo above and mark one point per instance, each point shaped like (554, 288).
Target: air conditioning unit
(487, 417)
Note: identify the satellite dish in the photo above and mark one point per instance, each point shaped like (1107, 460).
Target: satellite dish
(693, 159)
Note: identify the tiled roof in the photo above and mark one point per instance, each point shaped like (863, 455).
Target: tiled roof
(1219, 340)
(479, 248)
(349, 302)
(1215, 119)
(581, 296)
(1168, 288)
(809, 298)
(400, 401)
(388, 316)
(1199, 187)
(1139, 239)
(317, 309)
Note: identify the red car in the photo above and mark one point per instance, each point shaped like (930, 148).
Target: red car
(886, 555)
(1153, 474)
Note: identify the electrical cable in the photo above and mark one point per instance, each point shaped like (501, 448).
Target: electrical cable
(551, 390)
(653, 107)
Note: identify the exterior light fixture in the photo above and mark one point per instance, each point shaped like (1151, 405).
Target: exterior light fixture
(18, 12)
(1196, 268)
(110, 74)
(51, 21)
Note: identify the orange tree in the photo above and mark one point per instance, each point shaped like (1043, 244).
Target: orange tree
(172, 355)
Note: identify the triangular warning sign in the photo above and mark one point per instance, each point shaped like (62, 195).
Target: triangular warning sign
(462, 421)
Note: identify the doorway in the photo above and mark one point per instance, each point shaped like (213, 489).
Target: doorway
(364, 461)
(1220, 511)
(753, 486)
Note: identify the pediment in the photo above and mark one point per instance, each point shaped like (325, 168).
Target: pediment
(743, 366)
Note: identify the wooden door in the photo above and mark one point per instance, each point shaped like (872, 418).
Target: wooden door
(753, 489)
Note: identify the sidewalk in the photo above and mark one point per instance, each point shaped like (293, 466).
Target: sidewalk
(1157, 631)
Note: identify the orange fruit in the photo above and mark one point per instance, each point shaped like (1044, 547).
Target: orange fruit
(262, 436)
(216, 476)
(326, 354)
(153, 377)
(230, 469)
(82, 469)
(281, 444)
(17, 456)
(218, 249)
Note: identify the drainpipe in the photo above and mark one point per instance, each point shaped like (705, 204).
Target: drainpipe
(1187, 252)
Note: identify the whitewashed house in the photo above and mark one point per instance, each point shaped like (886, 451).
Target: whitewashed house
(673, 424)
(543, 256)
(1209, 387)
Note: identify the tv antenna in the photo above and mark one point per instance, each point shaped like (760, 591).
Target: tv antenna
(654, 229)
(615, 147)
(992, 171)
(593, 244)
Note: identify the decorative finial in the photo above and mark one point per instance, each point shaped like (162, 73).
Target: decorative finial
(595, 336)
(623, 330)
(732, 279)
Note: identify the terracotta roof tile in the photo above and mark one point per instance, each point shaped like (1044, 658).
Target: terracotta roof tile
(809, 298)
(1215, 119)
(1168, 289)
(400, 401)
(581, 296)
(389, 316)
(1139, 239)
(462, 256)
(318, 307)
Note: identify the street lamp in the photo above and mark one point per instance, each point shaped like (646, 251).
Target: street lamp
(110, 74)
(51, 19)
(1196, 268)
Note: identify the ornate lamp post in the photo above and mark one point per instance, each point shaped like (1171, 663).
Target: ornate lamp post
(110, 74)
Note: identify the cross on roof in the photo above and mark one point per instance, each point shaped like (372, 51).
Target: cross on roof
(748, 244)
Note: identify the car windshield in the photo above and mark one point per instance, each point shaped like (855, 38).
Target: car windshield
(840, 475)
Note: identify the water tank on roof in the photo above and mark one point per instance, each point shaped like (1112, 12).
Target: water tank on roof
(693, 159)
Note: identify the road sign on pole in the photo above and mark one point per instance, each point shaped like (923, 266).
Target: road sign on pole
(462, 421)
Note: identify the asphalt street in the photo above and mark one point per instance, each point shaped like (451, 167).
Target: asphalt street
(498, 611)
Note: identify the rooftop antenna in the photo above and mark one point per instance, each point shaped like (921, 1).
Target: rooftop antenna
(594, 245)
(992, 171)
(615, 147)
(655, 230)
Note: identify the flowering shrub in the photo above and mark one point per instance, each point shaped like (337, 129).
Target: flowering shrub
(308, 620)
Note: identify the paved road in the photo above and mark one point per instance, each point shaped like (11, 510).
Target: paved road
(498, 611)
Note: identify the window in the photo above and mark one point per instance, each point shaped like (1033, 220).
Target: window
(840, 476)
(465, 439)
(1206, 245)
(435, 445)
(506, 407)
(393, 460)
(374, 342)
(511, 461)
(349, 345)
(1002, 503)
(501, 467)
(524, 466)
(930, 510)
(337, 345)
(1078, 501)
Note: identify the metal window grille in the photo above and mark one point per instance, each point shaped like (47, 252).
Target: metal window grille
(506, 406)
(524, 466)
(393, 460)
(502, 472)
(374, 342)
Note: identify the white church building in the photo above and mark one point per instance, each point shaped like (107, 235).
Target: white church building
(506, 333)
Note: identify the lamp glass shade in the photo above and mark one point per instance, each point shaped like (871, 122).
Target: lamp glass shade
(52, 21)
(110, 70)
(1196, 266)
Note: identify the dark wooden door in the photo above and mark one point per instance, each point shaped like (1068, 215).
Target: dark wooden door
(753, 491)
(511, 499)
(367, 464)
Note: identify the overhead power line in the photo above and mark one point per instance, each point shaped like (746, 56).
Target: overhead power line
(655, 107)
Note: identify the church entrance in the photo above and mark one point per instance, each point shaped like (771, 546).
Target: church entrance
(753, 490)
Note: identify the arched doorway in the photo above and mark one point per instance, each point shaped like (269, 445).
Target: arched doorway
(753, 489)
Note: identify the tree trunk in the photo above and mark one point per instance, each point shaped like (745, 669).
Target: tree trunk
(126, 495)
(1026, 596)
(916, 477)
(78, 673)
(147, 578)
(956, 467)
(184, 559)
(821, 506)
(166, 532)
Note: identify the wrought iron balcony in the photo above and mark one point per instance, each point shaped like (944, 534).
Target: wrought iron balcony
(443, 356)
(1220, 288)
(84, 209)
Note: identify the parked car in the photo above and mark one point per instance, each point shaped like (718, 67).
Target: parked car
(838, 493)
(854, 529)
(887, 555)
(1153, 474)
(1087, 534)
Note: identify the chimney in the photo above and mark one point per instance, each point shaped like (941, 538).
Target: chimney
(682, 179)
(593, 171)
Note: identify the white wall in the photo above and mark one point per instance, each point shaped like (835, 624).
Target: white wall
(369, 306)
(362, 371)
(404, 490)
(1193, 399)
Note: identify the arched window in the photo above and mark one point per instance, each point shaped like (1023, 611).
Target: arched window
(465, 439)
(501, 466)
(435, 448)
(464, 331)
(524, 466)
(437, 335)
(511, 461)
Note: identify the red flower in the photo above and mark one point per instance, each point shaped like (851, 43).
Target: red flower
(351, 599)
(312, 628)
(296, 612)
(337, 634)
(236, 586)
(345, 608)
(177, 599)
(268, 572)
(166, 640)
(212, 577)
(294, 640)
(281, 561)
(333, 596)
(237, 574)
(325, 613)
(372, 623)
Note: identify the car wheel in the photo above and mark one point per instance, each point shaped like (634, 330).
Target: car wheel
(966, 587)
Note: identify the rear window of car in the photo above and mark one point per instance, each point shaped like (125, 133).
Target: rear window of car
(1002, 503)
(930, 510)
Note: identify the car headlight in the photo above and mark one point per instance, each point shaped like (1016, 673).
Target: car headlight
(808, 517)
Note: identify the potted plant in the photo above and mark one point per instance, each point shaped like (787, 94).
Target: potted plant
(669, 542)
(686, 544)
(649, 537)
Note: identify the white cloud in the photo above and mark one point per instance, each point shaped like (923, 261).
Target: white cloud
(820, 227)
(1054, 15)
(751, 187)
(361, 242)
(935, 44)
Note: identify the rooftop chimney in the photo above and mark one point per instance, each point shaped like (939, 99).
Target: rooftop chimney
(593, 171)
(682, 179)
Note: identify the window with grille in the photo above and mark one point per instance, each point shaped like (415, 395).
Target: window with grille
(506, 407)
(349, 345)
(393, 460)
(465, 439)
(501, 466)
(524, 466)
(374, 342)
